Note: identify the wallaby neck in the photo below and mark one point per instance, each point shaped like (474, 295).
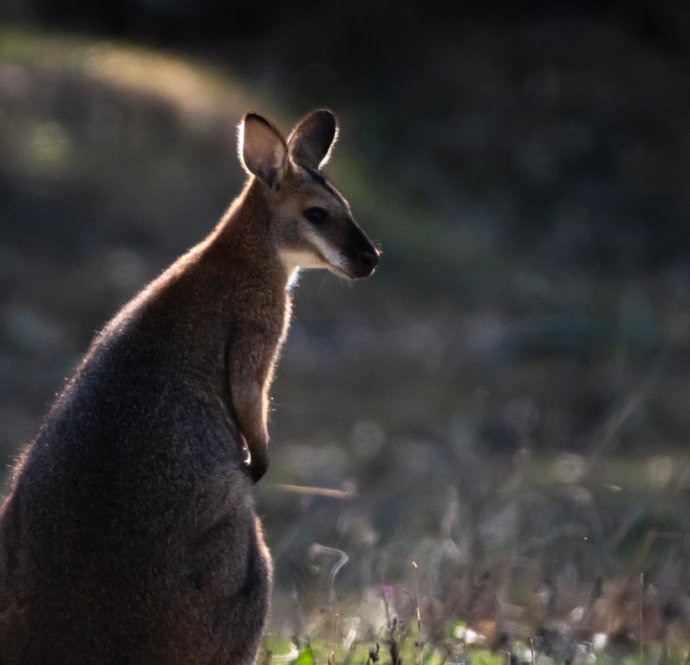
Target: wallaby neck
(235, 273)
(244, 235)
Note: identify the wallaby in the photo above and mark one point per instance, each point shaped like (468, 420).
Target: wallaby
(129, 534)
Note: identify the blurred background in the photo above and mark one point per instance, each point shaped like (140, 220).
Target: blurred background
(506, 401)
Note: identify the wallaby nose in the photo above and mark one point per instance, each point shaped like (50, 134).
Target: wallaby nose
(363, 256)
(369, 259)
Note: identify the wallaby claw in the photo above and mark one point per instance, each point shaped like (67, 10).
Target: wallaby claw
(257, 469)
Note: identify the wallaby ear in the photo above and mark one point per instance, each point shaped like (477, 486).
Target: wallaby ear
(263, 151)
(311, 140)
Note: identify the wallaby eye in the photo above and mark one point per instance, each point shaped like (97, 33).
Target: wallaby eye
(316, 215)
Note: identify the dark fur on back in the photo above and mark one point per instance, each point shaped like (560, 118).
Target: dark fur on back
(129, 535)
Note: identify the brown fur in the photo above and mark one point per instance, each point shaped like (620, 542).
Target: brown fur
(129, 535)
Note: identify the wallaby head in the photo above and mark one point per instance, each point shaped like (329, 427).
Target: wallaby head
(311, 222)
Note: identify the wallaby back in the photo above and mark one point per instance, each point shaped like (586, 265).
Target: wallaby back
(129, 534)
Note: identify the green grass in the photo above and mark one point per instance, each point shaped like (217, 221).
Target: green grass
(399, 644)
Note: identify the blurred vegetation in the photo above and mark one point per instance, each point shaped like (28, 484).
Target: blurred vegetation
(505, 402)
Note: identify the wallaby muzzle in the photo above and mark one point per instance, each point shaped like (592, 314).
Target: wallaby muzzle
(362, 257)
